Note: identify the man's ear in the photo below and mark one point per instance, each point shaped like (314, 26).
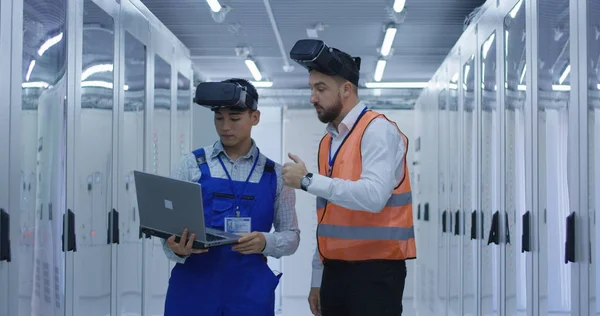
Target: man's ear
(255, 116)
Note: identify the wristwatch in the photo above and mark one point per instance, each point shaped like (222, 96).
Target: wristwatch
(306, 181)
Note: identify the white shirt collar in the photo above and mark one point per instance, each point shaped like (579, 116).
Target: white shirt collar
(347, 123)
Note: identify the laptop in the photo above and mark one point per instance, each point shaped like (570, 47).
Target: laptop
(167, 206)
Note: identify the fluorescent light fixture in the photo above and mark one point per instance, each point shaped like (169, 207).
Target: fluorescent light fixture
(598, 87)
(388, 40)
(100, 84)
(467, 70)
(523, 73)
(454, 78)
(31, 65)
(515, 9)
(379, 69)
(262, 84)
(214, 5)
(35, 84)
(253, 69)
(96, 69)
(399, 5)
(561, 87)
(49, 43)
(564, 75)
(488, 44)
(405, 85)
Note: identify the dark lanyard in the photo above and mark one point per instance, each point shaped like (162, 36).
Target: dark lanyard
(332, 159)
(238, 197)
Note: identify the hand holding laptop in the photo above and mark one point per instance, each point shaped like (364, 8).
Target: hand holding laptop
(252, 243)
(184, 246)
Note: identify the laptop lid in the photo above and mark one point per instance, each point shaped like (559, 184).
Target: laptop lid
(169, 205)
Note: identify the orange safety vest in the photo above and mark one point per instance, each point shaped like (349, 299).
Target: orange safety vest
(350, 235)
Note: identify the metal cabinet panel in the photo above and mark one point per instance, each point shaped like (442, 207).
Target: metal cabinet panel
(444, 212)
(470, 180)
(156, 274)
(43, 138)
(489, 187)
(131, 157)
(454, 191)
(93, 159)
(5, 213)
(593, 145)
(556, 219)
(517, 228)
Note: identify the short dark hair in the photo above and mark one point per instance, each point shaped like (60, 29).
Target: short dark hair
(250, 89)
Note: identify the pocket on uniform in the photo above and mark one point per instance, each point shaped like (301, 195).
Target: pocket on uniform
(221, 208)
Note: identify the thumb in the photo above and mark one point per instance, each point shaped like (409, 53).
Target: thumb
(295, 158)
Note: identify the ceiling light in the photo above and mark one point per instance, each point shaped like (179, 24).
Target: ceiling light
(405, 85)
(253, 69)
(35, 84)
(564, 75)
(388, 40)
(262, 84)
(214, 5)
(379, 69)
(399, 5)
(49, 43)
(96, 69)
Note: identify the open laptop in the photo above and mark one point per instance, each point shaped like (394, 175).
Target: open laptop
(167, 206)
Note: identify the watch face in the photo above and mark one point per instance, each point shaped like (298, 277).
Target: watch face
(305, 181)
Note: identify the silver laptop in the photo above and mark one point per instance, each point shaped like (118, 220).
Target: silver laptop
(167, 206)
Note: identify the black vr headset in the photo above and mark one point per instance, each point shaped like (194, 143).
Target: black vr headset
(230, 95)
(315, 55)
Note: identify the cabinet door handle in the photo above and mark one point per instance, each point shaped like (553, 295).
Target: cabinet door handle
(71, 242)
(5, 254)
(493, 236)
(474, 225)
(570, 242)
(526, 236)
(444, 220)
(457, 223)
(112, 237)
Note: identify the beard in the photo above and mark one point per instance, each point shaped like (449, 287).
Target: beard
(329, 114)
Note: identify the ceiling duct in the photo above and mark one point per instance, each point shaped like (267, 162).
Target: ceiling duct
(287, 67)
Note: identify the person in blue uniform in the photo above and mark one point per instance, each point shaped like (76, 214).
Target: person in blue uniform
(239, 183)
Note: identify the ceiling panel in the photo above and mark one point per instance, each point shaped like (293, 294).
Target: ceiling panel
(427, 30)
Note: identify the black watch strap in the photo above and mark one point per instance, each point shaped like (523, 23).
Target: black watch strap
(308, 176)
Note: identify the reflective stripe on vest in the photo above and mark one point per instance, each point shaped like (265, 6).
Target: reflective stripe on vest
(351, 235)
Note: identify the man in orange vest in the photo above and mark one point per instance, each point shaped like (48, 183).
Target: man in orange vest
(364, 206)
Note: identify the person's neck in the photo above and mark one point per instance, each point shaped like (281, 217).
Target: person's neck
(345, 110)
(240, 150)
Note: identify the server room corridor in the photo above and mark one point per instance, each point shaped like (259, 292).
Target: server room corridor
(497, 99)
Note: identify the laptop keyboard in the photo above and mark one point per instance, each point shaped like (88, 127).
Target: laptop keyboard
(211, 237)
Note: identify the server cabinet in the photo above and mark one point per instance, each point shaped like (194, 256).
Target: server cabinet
(470, 176)
(5, 212)
(489, 186)
(556, 218)
(156, 272)
(454, 188)
(95, 126)
(516, 231)
(592, 175)
(134, 42)
(46, 220)
(445, 218)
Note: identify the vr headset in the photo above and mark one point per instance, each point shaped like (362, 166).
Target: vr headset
(216, 95)
(315, 55)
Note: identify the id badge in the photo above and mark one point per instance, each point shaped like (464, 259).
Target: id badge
(238, 225)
